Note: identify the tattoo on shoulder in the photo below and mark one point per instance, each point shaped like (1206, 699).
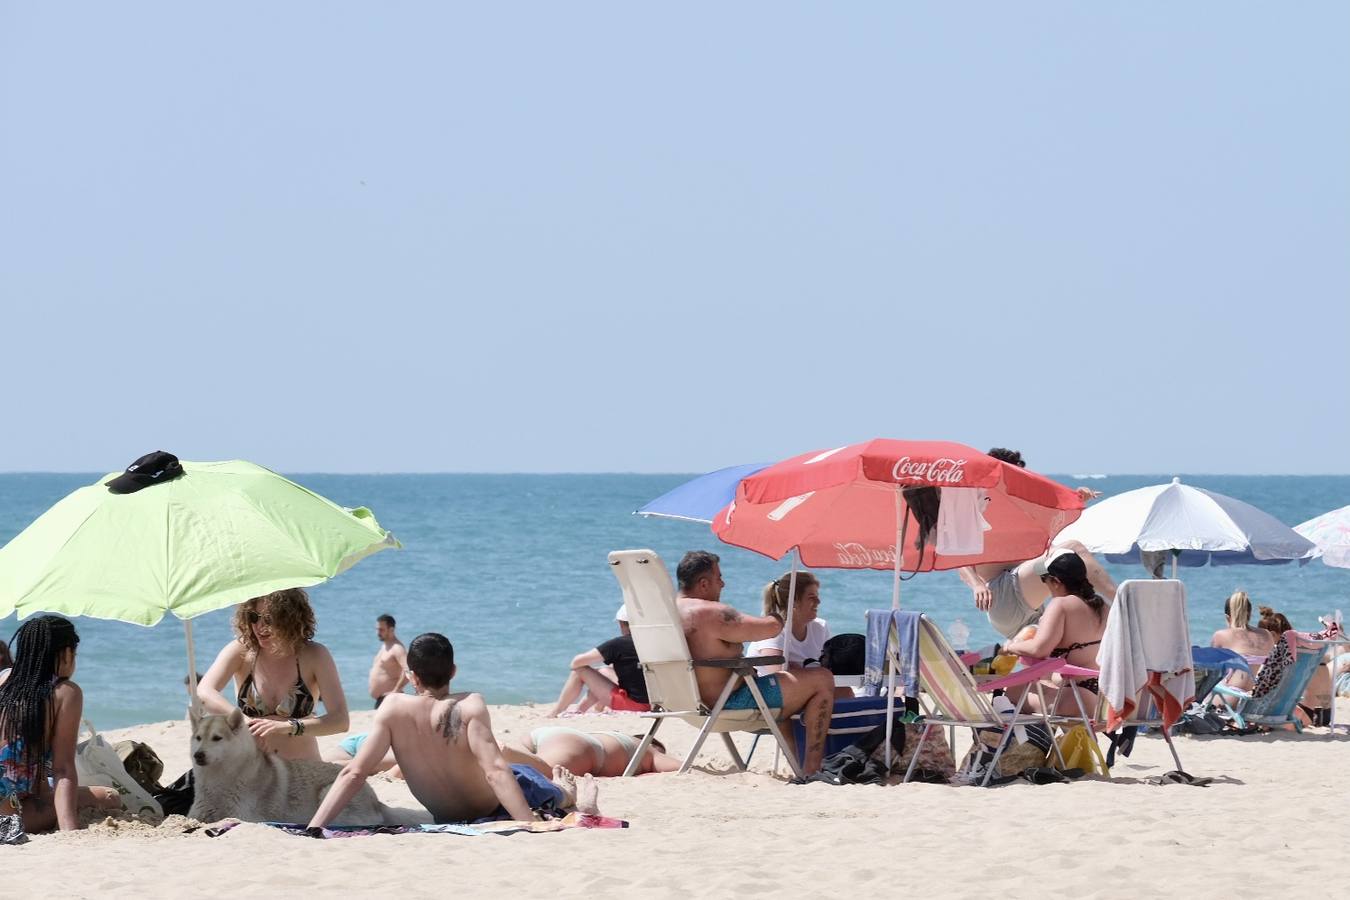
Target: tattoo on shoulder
(730, 615)
(450, 722)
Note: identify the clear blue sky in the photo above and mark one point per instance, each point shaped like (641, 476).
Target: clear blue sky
(614, 237)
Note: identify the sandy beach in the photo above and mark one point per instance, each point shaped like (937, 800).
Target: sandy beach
(1275, 814)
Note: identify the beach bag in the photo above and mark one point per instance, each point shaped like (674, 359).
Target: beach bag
(1017, 756)
(142, 764)
(1201, 721)
(1080, 751)
(844, 654)
(935, 764)
(11, 830)
(97, 763)
(176, 799)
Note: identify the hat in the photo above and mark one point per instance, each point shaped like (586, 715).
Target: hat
(152, 468)
(622, 614)
(1044, 563)
(1068, 567)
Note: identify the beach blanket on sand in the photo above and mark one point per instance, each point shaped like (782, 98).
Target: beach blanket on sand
(477, 829)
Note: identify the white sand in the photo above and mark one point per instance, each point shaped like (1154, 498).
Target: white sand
(1278, 816)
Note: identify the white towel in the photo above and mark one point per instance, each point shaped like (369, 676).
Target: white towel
(1146, 632)
(960, 523)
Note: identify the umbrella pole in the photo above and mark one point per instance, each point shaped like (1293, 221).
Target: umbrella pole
(195, 704)
(1175, 556)
(787, 628)
(899, 538)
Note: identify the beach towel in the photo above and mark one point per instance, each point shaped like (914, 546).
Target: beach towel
(960, 523)
(879, 622)
(1147, 644)
(476, 829)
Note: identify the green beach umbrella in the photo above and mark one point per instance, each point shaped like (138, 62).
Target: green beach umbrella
(216, 535)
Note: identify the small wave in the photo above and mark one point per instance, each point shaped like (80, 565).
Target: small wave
(1092, 477)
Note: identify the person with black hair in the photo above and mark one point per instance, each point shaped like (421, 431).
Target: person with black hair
(446, 751)
(1013, 595)
(388, 673)
(1070, 628)
(40, 710)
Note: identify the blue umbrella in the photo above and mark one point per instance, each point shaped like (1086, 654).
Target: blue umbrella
(703, 497)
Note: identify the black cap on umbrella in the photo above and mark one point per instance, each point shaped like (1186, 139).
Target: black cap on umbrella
(152, 468)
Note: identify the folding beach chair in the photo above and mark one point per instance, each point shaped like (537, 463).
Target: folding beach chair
(672, 691)
(1276, 708)
(950, 695)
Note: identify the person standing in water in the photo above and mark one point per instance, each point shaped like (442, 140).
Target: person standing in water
(389, 671)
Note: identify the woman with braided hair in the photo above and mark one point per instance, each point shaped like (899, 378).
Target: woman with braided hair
(40, 710)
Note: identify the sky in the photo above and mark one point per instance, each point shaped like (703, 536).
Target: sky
(357, 237)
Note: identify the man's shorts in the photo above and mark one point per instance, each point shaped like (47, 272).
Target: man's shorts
(741, 698)
(1008, 610)
(620, 701)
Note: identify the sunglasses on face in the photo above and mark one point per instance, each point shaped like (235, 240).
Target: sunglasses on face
(255, 617)
(1045, 578)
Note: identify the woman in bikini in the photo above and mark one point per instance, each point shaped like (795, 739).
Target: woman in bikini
(40, 709)
(598, 753)
(1071, 628)
(281, 675)
(1241, 637)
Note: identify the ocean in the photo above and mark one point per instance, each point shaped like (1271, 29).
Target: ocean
(512, 569)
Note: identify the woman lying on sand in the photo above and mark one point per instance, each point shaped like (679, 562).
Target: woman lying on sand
(603, 754)
(1071, 628)
(40, 709)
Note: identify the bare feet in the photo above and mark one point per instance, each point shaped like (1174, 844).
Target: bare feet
(566, 782)
(588, 796)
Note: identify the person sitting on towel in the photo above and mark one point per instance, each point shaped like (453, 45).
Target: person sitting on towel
(1013, 594)
(619, 686)
(715, 630)
(1071, 628)
(447, 753)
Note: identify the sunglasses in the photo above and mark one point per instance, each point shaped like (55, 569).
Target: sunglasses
(1045, 578)
(255, 617)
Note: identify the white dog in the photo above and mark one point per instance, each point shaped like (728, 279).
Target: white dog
(234, 779)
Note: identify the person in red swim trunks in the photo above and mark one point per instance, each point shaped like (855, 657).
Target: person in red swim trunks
(625, 692)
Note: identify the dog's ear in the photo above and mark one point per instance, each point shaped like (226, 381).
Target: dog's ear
(234, 719)
(194, 717)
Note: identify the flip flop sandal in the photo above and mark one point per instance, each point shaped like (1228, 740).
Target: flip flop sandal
(1179, 777)
(1045, 775)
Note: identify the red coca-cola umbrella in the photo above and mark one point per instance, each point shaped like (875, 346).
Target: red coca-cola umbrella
(910, 506)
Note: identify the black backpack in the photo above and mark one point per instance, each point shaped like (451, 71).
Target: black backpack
(844, 654)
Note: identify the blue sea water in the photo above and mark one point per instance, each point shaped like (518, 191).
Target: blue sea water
(512, 568)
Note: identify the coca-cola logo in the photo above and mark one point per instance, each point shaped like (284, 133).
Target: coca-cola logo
(854, 555)
(937, 471)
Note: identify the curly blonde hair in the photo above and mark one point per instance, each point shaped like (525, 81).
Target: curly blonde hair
(292, 619)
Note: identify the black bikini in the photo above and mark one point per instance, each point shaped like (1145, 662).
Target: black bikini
(1091, 684)
(298, 703)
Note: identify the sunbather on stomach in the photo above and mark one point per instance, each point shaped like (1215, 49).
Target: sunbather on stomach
(1071, 628)
(599, 753)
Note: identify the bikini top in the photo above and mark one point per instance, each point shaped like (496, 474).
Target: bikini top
(297, 703)
(1063, 652)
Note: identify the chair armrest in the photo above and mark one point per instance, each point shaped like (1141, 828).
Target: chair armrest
(738, 662)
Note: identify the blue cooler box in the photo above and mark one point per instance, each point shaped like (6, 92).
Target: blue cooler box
(851, 720)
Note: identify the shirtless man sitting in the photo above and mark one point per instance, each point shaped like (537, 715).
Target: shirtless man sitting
(445, 747)
(391, 662)
(1013, 595)
(715, 630)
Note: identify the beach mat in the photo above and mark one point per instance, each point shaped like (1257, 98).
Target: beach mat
(477, 829)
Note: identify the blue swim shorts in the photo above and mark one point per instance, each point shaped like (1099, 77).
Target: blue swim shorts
(741, 698)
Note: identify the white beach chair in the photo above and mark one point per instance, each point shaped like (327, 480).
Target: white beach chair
(672, 691)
